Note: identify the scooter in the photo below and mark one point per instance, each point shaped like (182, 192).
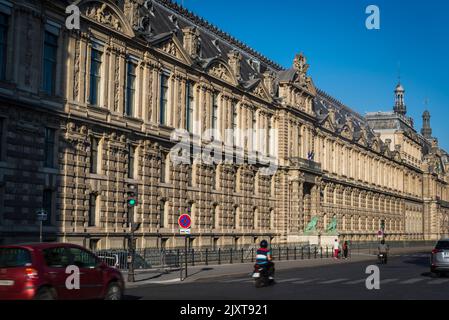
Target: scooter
(261, 277)
(382, 258)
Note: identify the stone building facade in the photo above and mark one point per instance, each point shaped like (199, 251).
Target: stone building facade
(86, 113)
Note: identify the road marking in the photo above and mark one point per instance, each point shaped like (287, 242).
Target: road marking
(388, 281)
(306, 281)
(410, 281)
(234, 280)
(288, 280)
(333, 281)
(439, 281)
(355, 281)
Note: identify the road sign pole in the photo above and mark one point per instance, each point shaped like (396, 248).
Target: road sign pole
(40, 231)
(185, 255)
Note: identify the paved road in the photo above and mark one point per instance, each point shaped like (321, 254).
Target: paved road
(404, 277)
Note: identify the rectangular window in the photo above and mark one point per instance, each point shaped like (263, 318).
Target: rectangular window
(162, 215)
(3, 44)
(95, 76)
(130, 88)
(92, 210)
(50, 52)
(47, 205)
(131, 151)
(163, 100)
(49, 148)
(189, 106)
(94, 156)
(268, 139)
(163, 169)
(2, 121)
(234, 123)
(214, 112)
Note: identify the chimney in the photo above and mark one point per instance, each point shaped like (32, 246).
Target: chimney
(192, 41)
(234, 60)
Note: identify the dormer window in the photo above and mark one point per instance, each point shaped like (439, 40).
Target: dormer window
(216, 43)
(174, 19)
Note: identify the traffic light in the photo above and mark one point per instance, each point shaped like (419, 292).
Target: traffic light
(382, 224)
(131, 192)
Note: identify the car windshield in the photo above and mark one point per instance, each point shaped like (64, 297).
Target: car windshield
(14, 257)
(442, 245)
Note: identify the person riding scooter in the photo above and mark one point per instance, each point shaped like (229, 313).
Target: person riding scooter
(383, 250)
(264, 258)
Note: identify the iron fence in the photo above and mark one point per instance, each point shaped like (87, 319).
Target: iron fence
(174, 258)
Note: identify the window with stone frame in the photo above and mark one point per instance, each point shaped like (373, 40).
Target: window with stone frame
(96, 55)
(94, 155)
(190, 105)
(51, 35)
(4, 28)
(93, 207)
(131, 76)
(163, 101)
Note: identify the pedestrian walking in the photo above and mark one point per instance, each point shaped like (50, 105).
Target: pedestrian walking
(345, 249)
(336, 248)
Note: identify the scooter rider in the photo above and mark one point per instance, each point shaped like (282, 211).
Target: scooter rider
(264, 258)
(383, 249)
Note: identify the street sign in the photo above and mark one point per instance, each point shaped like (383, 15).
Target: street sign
(185, 221)
(41, 215)
(380, 234)
(184, 231)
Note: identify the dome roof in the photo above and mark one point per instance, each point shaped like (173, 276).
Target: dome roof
(399, 87)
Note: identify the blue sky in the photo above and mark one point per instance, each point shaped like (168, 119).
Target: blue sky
(357, 66)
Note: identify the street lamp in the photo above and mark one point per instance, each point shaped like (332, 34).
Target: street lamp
(41, 217)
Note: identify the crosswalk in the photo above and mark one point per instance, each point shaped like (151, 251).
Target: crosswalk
(347, 281)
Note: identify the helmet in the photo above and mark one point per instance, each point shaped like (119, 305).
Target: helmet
(263, 244)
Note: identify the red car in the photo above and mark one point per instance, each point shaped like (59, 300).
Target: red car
(40, 271)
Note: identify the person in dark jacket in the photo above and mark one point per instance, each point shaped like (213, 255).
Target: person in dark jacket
(264, 258)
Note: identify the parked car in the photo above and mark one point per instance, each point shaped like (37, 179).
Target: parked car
(439, 259)
(38, 271)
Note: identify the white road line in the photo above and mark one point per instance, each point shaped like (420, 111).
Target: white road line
(234, 280)
(388, 281)
(305, 281)
(439, 281)
(411, 281)
(355, 281)
(288, 280)
(333, 281)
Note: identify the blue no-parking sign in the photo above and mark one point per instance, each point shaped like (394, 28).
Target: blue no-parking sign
(185, 221)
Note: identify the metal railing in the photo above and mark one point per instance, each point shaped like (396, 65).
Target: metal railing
(174, 258)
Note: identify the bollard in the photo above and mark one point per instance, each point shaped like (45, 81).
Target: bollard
(295, 253)
(242, 255)
(327, 252)
(279, 255)
(193, 257)
(321, 252)
(287, 253)
(302, 253)
(308, 251)
(231, 255)
(219, 255)
(315, 252)
(207, 260)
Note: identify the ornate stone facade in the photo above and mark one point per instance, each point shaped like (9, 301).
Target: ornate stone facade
(162, 68)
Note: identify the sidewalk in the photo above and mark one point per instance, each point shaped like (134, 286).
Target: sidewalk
(203, 272)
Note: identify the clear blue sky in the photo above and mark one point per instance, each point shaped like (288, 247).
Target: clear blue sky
(355, 65)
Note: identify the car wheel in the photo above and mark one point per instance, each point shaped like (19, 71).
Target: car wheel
(45, 294)
(114, 292)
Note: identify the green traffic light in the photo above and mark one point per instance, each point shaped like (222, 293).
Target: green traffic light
(132, 202)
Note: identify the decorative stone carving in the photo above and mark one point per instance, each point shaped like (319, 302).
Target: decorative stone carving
(234, 60)
(219, 71)
(192, 41)
(102, 14)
